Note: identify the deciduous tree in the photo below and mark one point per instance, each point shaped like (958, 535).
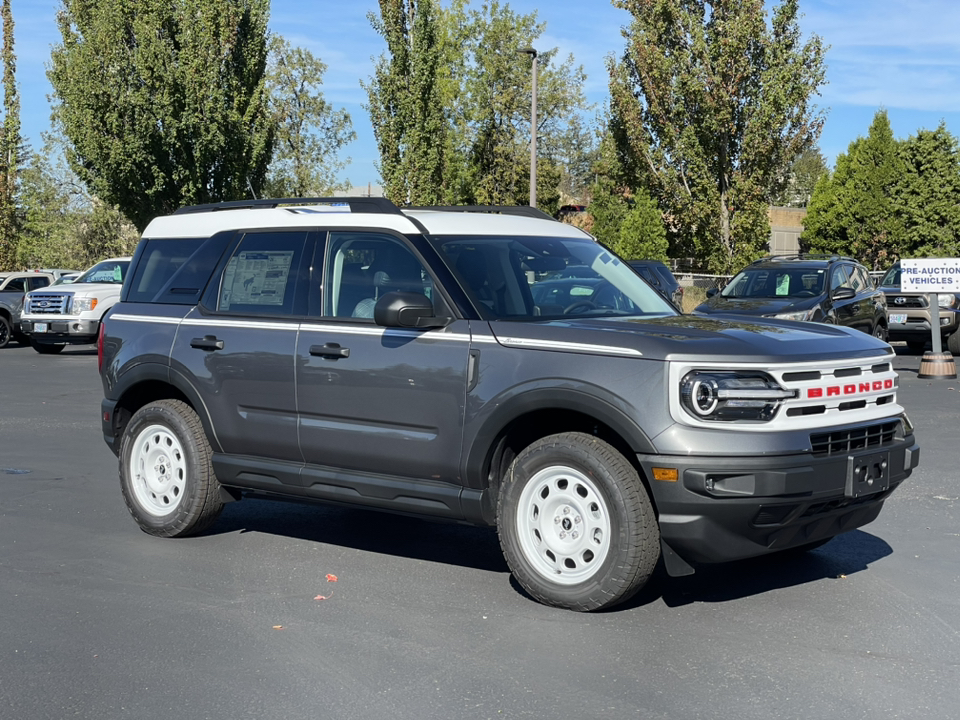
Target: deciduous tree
(310, 132)
(713, 103)
(163, 101)
(9, 145)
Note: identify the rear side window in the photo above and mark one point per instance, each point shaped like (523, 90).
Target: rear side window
(17, 285)
(175, 271)
(261, 276)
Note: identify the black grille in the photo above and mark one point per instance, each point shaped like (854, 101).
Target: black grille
(908, 301)
(843, 442)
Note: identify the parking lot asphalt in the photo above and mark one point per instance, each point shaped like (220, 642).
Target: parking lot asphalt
(99, 620)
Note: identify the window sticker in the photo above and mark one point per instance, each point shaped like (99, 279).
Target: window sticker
(256, 277)
(783, 285)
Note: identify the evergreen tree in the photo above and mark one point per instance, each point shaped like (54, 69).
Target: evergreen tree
(163, 101)
(714, 104)
(928, 194)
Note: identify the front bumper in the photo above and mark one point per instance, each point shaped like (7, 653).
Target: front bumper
(728, 508)
(916, 324)
(60, 329)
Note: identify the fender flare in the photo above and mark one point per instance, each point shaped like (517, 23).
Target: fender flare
(155, 372)
(552, 398)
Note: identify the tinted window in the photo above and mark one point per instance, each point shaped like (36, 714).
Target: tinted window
(838, 278)
(261, 276)
(362, 267)
(16, 285)
(37, 282)
(175, 271)
(775, 282)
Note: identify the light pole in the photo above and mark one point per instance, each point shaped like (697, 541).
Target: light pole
(533, 127)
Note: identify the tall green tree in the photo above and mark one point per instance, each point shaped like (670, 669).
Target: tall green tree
(855, 212)
(408, 102)
(310, 132)
(164, 101)
(928, 193)
(713, 103)
(9, 145)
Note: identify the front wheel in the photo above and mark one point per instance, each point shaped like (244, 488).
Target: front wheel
(5, 331)
(953, 343)
(166, 473)
(880, 332)
(576, 525)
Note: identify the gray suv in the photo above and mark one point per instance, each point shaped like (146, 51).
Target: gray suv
(352, 352)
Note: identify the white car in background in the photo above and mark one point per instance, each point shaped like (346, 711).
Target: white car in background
(64, 315)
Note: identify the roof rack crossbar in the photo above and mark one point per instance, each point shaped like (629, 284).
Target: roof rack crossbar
(376, 205)
(518, 210)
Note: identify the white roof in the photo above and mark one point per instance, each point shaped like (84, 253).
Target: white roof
(437, 222)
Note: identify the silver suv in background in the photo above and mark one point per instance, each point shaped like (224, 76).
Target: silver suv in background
(908, 314)
(13, 287)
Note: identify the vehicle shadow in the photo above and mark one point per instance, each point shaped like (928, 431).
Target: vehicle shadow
(379, 532)
(845, 555)
(479, 549)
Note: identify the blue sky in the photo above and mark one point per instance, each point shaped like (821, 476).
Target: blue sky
(903, 55)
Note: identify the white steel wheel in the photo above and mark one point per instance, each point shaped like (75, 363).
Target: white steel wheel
(166, 471)
(158, 470)
(576, 524)
(563, 525)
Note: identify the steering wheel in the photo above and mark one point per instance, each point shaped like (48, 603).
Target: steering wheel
(579, 304)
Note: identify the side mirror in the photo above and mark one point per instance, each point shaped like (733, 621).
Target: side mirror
(843, 293)
(407, 310)
(711, 292)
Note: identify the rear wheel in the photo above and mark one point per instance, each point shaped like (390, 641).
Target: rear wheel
(47, 348)
(166, 473)
(576, 525)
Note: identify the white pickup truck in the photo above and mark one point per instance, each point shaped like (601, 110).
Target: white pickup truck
(55, 317)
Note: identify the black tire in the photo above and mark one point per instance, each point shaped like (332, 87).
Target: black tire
(166, 473)
(880, 331)
(47, 348)
(916, 346)
(5, 331)
(953, 343)
(569, 481)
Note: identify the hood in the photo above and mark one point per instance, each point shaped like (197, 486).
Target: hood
(758, 307)
(691, 337)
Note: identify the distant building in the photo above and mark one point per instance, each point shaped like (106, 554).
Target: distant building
(368, 190)
(786, 225)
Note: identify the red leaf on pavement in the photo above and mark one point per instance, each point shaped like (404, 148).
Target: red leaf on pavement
(331, 578)
(323, 597)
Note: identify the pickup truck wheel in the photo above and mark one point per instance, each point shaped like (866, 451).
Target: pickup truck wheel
(953, 343)
(5, 331)
(47, 348)
(575, 522)
(166, 472)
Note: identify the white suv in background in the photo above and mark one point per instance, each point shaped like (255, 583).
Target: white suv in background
(71, 314)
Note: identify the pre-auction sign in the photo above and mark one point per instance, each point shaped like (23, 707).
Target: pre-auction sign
(930, 275)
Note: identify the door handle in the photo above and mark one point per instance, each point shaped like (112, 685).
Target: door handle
(207, 342)
(331, 351)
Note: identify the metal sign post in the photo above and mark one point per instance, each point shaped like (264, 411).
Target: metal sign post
(933, 276)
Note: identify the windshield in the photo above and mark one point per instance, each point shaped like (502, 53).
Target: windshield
(892, 278)
(108, 271)
(776, 283)
(532, 278)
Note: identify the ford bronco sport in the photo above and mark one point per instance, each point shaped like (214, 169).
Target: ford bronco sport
(353, 352)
